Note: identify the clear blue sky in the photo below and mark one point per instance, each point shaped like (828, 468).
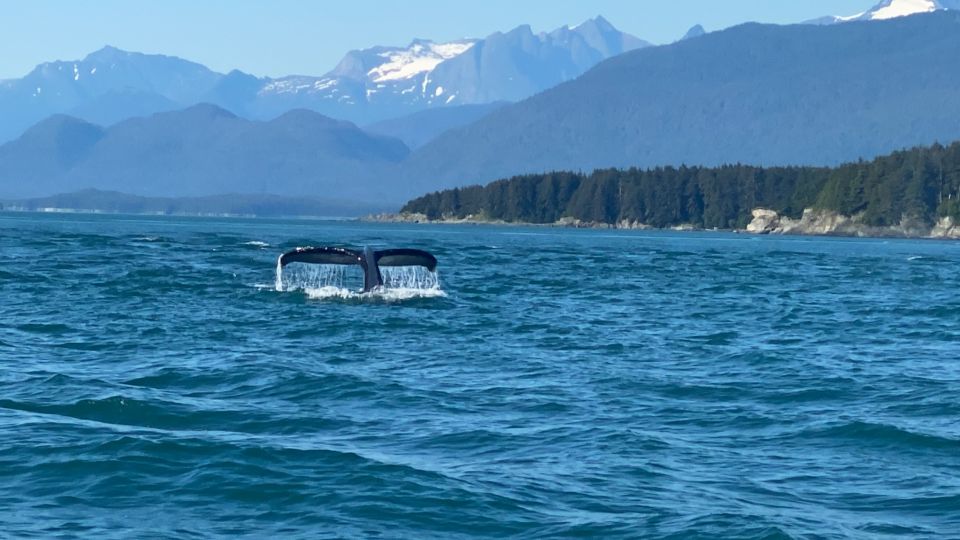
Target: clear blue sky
(282, 37)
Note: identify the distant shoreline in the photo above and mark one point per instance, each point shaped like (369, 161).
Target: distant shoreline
(837, 226)
(765, 223)
(87, 211)
(241, 205)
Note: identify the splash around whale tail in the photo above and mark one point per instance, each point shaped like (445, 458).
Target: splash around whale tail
(368, 259)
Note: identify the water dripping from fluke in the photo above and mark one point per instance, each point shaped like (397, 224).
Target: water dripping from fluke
(278, 280)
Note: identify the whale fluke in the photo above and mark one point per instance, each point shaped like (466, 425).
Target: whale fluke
(368, 259)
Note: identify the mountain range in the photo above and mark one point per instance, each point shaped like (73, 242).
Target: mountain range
(758, 94)
(367, 86)
(199, 151)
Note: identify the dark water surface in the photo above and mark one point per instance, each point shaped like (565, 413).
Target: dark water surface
(570, 383)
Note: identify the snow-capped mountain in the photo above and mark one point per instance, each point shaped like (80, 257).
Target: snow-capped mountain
(382, 82)
(891, 9)
(391, 75)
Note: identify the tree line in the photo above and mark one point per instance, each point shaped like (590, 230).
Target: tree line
(921, 184)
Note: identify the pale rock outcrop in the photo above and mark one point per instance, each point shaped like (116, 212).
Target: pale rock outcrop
(632, 225)
(946, 228)
(764, 221)
(826, 222)
(820, 222)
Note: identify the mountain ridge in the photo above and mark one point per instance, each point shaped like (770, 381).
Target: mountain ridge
(199, 151)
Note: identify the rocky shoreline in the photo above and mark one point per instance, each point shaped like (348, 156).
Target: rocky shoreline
(765, 221)
(826, 223)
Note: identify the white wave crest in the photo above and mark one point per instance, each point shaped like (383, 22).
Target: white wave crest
(380, 293)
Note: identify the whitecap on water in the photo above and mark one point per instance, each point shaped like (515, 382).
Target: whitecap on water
(380, 293)
(257, 243)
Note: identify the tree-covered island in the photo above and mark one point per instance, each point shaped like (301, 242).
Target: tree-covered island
(906, 191)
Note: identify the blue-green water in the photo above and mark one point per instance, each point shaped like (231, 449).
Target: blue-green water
(569, 383)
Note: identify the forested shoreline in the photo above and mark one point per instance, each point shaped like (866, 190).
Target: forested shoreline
(921, 185)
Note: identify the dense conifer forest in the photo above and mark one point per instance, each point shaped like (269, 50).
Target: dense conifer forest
(920, 184)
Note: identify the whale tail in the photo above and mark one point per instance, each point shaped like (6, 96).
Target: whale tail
(368, 259)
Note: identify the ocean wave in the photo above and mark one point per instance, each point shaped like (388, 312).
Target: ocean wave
(55, 329)
(882, 435)
(125, 411)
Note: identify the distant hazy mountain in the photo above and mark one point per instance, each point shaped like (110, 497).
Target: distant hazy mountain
(366, 86)
(419, 128)
(758, 94)
(694, 32)
(34, 163)
(106, 86)
(518, 64)
(891, 9)
(203, 150)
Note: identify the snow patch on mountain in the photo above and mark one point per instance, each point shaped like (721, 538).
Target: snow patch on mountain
(849, 18)
(420, 57)
(901, 8)
(891, 9)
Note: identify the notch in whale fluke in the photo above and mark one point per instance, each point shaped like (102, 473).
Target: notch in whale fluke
(368, 259)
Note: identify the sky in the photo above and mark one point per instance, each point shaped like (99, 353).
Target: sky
(308, 37)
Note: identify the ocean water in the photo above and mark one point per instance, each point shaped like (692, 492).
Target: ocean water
(553, 383)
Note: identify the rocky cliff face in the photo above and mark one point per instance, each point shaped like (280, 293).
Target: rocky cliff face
(825, 222)
(946, 228)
